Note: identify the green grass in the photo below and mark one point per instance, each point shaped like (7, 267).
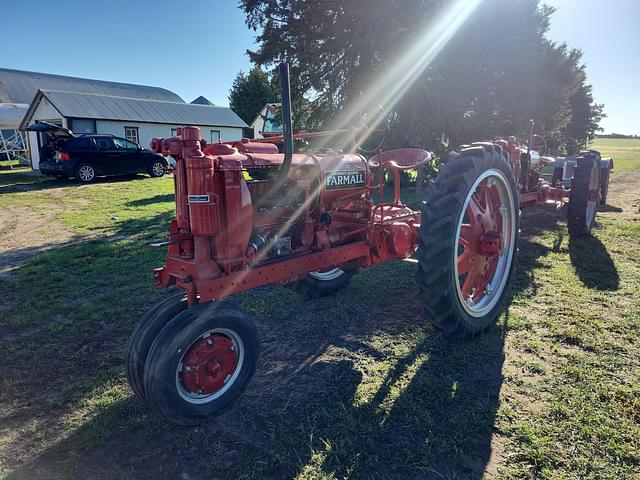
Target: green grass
(624, 151)
(352, 386)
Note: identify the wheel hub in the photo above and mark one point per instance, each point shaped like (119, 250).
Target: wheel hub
(209, 364)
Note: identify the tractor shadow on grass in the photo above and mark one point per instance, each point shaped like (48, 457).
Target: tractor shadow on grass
(594, 266)
(589, 257)
(169, 197)
(357, 385)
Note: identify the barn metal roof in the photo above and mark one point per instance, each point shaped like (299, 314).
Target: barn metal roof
(107, 107)
(21, 87)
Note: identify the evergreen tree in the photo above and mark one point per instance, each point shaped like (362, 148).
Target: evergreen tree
(249, 93)
(496, 73)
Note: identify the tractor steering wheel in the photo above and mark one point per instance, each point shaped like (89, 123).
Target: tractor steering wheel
(385, 117)
(539, 144)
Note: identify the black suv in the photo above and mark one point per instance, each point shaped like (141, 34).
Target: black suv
(84, 157)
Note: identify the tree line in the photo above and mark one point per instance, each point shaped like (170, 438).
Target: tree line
(481, 76)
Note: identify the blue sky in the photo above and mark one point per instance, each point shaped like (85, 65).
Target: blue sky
(608, 33)
(198, 50)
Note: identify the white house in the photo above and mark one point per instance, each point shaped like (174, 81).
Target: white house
(135, 112)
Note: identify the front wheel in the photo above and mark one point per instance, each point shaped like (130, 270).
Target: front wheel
(157, 169)
(468, 241)
(200, 362)
(145, 334)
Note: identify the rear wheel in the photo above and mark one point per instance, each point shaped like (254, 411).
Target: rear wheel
(584, 196)
(144, 335)
(200, 362)
(605, 174)
(468, 241)
(556, 178)
(323, 282)
(85, 173)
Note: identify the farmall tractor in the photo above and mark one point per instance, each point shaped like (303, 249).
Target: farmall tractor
(248, 216)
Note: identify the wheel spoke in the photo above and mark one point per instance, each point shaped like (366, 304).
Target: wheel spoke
(488, 199)
(470, 281)
(464, 262)
(474, 209)
(466, 235)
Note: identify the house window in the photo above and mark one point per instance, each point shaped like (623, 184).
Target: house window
(215, 136)
(174, 132)
(131, 134)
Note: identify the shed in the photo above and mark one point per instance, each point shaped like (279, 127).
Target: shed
(135, 112)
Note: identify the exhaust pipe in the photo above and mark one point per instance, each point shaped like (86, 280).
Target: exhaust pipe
(287, 126)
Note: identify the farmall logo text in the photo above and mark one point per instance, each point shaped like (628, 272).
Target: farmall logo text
(345, 179)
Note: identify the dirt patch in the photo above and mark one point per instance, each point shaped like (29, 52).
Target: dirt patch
(26, 231)
(624, 197)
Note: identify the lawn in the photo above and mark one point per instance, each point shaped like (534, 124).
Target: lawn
(625, 151)
(352, 386)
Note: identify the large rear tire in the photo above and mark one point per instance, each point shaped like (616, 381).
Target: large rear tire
(468, 241)
(144, 335)
(584, 196)
(605, 175)
(200, 362)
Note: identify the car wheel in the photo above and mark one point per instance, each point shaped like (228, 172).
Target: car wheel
(85, 173)
(157, 169)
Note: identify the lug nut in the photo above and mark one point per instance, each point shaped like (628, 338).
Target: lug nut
(209, 342)
(188, 369)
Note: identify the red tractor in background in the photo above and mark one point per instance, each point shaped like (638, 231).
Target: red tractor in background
(247, 216)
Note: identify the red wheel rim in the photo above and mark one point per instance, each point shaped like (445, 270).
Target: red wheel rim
(485, 241)
(209, 366)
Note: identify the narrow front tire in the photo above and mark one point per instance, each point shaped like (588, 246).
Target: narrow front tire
(200, 362)
(145, 333)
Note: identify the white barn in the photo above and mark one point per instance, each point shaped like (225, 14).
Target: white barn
(135, 112)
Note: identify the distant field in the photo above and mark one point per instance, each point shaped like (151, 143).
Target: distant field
(625, 151)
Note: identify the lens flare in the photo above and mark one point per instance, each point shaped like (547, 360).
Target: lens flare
(386, 90)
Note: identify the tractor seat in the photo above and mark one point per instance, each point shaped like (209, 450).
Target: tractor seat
(400, 159)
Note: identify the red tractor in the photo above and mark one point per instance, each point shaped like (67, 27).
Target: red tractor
(247, 216)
